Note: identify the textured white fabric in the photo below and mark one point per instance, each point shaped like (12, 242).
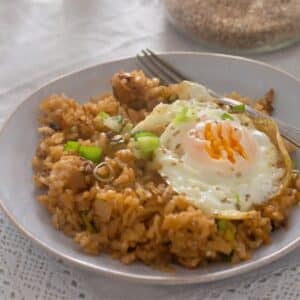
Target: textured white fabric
(41, 39)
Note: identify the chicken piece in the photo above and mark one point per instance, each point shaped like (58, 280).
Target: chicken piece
(135, 90)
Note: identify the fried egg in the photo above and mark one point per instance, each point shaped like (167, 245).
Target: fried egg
(219, 161)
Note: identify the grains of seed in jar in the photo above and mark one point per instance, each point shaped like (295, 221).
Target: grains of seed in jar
(246, 24)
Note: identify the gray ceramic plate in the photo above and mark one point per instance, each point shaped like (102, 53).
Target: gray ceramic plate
(19, 137)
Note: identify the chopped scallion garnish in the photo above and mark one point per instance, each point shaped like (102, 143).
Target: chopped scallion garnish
(114, 123)
(140, 134)
(230, 235)
(145, 143)
(102, 115)
(88, 224)
(228, 229)
(127, 128)
(184, 114)
(92, 153)
(240, 108)
(223, 224)
(227, 116)
(118, 118)
(237, 199)
(71, 146)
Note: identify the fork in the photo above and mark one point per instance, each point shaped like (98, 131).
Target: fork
(154, 65)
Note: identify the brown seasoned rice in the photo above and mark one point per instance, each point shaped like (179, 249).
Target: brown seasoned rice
(136, 215)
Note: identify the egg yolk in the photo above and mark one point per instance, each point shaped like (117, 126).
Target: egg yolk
(223, 139)
(224, 146)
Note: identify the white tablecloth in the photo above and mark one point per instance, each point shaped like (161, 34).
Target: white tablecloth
(41, 39)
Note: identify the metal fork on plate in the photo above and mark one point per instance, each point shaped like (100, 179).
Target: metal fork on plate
(156, 66)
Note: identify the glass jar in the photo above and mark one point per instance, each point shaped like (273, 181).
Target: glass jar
(238, 25)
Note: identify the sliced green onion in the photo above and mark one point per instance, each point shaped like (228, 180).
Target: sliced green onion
(184, 114)
(140, 134)
(227, 116)
(118, 118)
(181, 115)
(237, 199)
(240, 108)
(88, 224)
(102, 116)
(92, 153)
(228, 229)
(71, 146)
(127, 128)
(145, 143)
(229, 235)
(114, 123)
(223, 224)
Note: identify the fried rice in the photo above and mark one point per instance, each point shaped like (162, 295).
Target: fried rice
(136, 216)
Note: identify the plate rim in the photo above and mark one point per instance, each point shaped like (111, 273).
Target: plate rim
(152, 279)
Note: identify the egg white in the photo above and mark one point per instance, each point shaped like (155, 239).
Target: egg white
(215, 192)
(212, 190)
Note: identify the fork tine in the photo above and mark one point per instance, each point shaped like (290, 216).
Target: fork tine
(145, 66)
(152, 70)
(157, 65)
(147, 72)
(176, 73)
